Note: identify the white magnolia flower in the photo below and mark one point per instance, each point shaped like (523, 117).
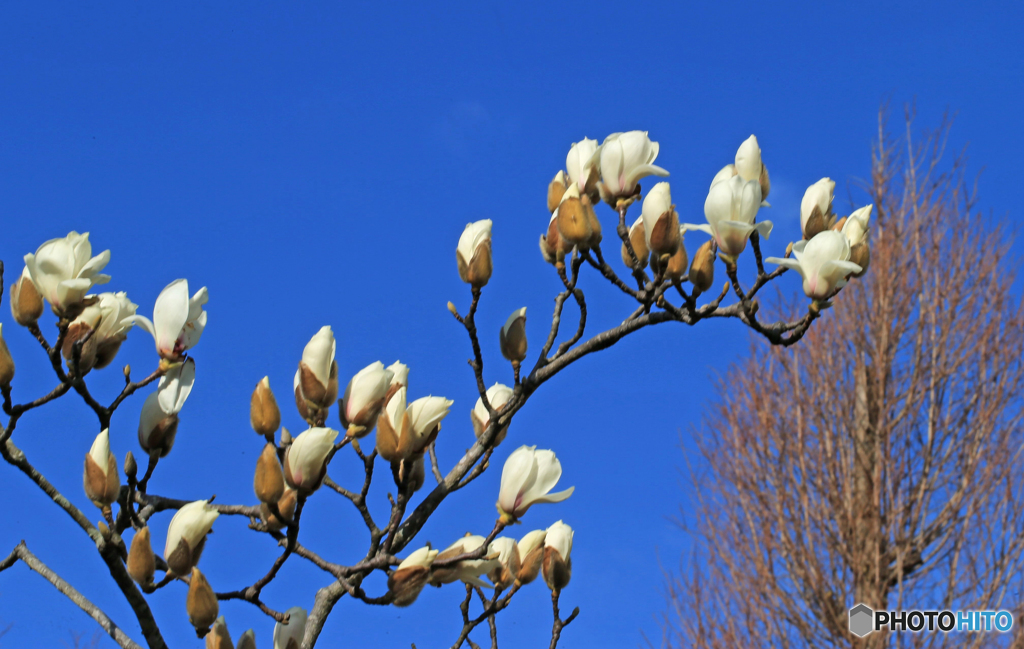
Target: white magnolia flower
(399, 374)
(101, 481)
(305, 460)
(823, 262)
(856, 226)
(531, 555)
(289, 635)
(316, 380)
(178, 320)
(558, 548)
(426, 413)
(730, 209)
(421, 558)
(532, 541)
(625, 158)
(526, 479)
(497, 395)
(509, 560)
(661, 223)
(364, 397)
(406, 582)
(158, 422)
(403, 431)
(186, 535)
(473, 253)
(63, 270)
(748, 159)
(468, 570)
(818, 197)
(581, 164)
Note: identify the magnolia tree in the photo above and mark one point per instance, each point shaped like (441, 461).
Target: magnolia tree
(379, 422)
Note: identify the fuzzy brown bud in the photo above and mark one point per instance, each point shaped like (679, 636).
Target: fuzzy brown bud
(264, 415)
(247, 641)
(405, 584)
(860, 254)
(673, 266)
(201, 603)
(286, 506)
(131, 467)
(530, 565)
(638, 240)
(268, 482)
(141, 560)
(473, 254)
(6, 362)
(556, 190)
(557, 571)
(26, 303)
(702, 270)
(101, 487)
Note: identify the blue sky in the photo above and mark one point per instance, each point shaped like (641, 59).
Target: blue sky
(315, 165)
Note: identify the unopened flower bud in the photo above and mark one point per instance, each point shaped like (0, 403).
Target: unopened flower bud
(702, 270)
(816, 208)
(6, 362)
(557, 560)
(264, 415)
(661, 223)
(638, 241)
(186, 536)
(305, 461)
(550, 243)
(406, 430)
(26, 303)
(218, 637)
(674, 266)
(247, 641)
(473, 253)
(512, 337)
(531, 556)
(100, 479)
(269, 480)
(860, 254)
(504, 574)
(576, 221)
(201, 603)
(289, 635)
(131, 467)
(141, 560)
(556, 189)
(286, 506)
(412, 574)
(363, 399)
(581, 165)
(316, 380)
(497, 395)
(468, 570)
(286, 437)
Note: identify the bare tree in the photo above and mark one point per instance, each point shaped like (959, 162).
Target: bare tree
(879, 462)
(89, 330)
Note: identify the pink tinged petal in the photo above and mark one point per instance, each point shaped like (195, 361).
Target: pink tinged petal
(169, 315)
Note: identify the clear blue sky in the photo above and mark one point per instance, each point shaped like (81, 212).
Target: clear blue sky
(315, 165)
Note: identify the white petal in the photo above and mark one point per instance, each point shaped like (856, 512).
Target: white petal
(170, 314)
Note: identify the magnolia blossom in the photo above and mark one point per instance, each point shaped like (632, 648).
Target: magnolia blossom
(107, 319)
(512, 337)
(101, 482)
(467, 571)
(497, 395)
(158, 422)
(63, 270)
(406, 582)
(473, 253)
(186, 535)
(730, 209)
(816, 208)
(504, 574)
(581, 165)
(526, 479)
(661, 223)
(856, 226)
(364, 397)
(289, 635)
(531, 555)
(557, 561)
(305, 461)
(316, 380)
(823, 262)
(625, 158)
(403, 431)
(399, 374)
(26, 303)
(178, 320)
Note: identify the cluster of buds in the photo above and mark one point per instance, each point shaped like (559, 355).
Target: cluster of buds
(658, 236)
(833, 249)
(186, 536)
(316, 380)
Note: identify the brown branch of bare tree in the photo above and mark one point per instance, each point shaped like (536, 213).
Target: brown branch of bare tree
(559, 623)
(877, 462)
(21, 552)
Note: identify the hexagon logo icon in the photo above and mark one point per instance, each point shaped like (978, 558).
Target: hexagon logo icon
(861, 620)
